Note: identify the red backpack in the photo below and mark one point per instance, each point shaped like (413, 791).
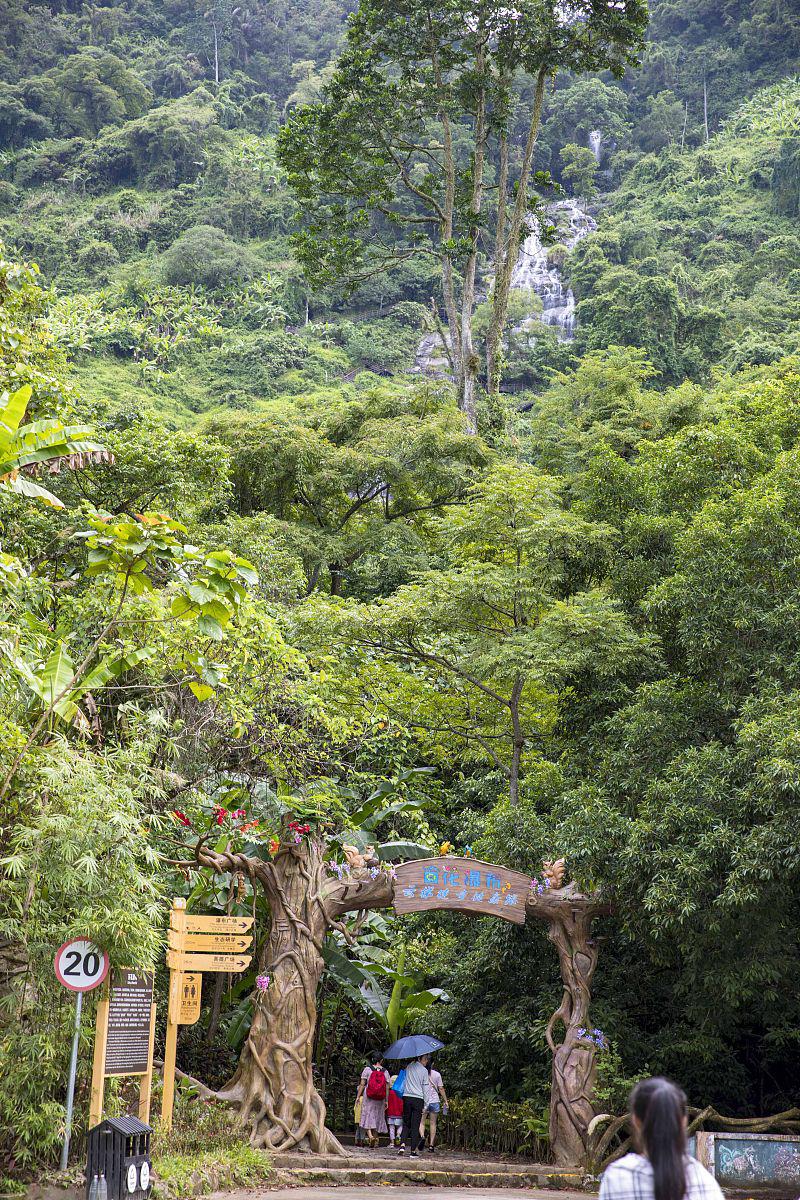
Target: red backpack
(376, 1085)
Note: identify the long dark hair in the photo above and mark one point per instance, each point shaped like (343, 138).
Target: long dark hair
(660, 1108)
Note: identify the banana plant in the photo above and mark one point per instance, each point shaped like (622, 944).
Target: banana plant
(27, 449)
(361, 825)
(52, 681)
(374, 975)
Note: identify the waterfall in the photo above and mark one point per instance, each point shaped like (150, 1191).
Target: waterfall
(533, 271)
(596, 142)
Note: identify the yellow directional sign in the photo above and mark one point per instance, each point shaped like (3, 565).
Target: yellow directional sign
(189, 937)
(177, 961)
(215, 924)
(191, 991)
(226, 942)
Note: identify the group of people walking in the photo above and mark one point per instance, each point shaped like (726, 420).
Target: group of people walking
(401, 1104)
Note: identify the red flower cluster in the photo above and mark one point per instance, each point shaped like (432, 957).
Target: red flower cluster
(220, 814)
(298, 828)
(182, 817)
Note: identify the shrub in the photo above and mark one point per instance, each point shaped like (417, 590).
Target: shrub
(204, 1151)
(9, 196)
(483, 1123)
(184, 1175)
(206, 256)
(97, 260)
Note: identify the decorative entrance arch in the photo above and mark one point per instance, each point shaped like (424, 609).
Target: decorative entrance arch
(273, 1086)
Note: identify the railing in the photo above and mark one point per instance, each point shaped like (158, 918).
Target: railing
(481, 1124)
(486, 1125)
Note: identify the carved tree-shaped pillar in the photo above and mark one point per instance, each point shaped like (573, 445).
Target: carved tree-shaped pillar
(569, 915)
(273, 1086)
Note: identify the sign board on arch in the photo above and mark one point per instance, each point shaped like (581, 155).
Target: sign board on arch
(463, 884)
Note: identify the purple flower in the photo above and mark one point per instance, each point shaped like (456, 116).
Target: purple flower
(262, 982)
(595, 1036)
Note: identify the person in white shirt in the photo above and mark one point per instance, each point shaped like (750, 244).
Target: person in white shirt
(435, 1102)
(663, 1170)
(414, 1090)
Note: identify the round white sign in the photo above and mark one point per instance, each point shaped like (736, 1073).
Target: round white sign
(144, 1176)
(80, 966)
(132, 1178)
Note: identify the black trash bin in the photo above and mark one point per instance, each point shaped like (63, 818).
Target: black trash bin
(119, 1148)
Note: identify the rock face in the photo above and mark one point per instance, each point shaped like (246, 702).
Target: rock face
(533, 272)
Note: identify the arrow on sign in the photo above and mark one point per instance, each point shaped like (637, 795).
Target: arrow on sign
(208, 962)
(208, 941)
(218, 924)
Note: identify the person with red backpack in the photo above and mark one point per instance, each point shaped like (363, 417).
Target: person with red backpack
(373, 1091)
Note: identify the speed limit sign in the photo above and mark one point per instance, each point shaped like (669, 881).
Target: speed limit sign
(80, 966)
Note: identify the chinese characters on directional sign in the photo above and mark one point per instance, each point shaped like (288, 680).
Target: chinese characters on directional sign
(465, 884)
(191, 991)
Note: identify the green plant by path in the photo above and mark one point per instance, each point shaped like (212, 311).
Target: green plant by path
(181, 1175)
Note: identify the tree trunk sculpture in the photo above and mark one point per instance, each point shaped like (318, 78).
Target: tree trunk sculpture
(273, 1086)
(569, 916)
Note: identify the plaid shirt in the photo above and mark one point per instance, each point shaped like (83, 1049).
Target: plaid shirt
(631, 1178)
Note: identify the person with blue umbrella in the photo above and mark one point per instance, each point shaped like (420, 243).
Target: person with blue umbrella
(418, 1047)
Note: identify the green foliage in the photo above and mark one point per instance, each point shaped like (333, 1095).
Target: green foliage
(673, 279)
(197, 1125)
(206, 256)
(614, 1085)
(74, 862)
(483, 1124)
(24, 448)
(600, 607)
(354, 484)
(578, 170)
(197, 1174)
(494, 637)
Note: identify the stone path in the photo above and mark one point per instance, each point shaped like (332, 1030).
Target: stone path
(416, 1192)
(445, 1170)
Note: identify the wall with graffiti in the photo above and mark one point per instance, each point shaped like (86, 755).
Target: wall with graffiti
(756, 1158)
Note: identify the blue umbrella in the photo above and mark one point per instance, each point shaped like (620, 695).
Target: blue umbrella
(414, 1045)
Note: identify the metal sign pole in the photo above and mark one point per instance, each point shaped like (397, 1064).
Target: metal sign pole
(73, 1068)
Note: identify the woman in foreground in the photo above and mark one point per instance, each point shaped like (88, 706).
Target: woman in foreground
(663, 1168)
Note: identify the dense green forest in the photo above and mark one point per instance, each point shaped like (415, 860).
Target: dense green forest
(255, 561)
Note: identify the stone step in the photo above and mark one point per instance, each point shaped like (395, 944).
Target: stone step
(477, 1175)
(388, 1162)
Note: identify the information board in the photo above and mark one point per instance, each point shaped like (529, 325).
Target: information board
(129, 1017)
(465, 884)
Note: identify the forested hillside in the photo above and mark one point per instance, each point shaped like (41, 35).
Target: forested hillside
(258, 561)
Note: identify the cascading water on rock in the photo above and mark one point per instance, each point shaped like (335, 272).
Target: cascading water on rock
(533, 272)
